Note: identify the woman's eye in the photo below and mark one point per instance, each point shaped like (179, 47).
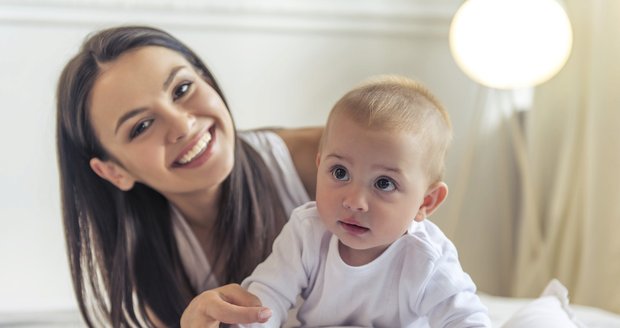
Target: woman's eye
(385, 184)
(340, 174)
(140, 128)
(181, 90)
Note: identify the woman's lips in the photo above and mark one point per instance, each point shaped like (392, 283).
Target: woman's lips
(198, 148)
(198, 152)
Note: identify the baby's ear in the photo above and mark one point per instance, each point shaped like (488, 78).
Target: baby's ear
(435, 195)
(113, 173)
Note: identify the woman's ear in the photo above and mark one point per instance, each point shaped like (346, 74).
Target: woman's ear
(318, 159)
(113, 173)
(435, 195)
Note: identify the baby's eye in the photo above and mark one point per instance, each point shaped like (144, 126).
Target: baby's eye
(385, 184)
(340, 173)
(140, 128)
(181, 90)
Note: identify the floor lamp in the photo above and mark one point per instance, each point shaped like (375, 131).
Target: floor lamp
(506, 45)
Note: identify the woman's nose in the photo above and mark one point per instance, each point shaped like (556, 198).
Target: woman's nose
(181, 123)
(355, 200)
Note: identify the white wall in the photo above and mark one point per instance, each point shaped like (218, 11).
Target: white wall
(280, 63)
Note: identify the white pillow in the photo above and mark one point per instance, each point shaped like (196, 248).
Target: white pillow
(551, 309)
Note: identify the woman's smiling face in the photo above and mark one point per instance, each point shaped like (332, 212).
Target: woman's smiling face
(161, 122)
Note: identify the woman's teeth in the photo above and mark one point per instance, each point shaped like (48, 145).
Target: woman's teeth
(198, 148)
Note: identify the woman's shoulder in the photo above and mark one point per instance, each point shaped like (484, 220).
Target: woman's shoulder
(301, 143)
(300, 137)
(288, 178)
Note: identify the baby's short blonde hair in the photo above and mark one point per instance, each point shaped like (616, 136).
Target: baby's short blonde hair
(403, 105)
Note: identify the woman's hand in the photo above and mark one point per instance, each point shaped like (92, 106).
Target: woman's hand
(227, 304)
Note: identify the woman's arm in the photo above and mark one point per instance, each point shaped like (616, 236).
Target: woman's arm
(303, 144)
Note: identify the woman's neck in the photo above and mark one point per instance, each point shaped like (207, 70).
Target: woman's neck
(200, 209)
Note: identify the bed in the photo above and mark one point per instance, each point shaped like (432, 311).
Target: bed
(501, 309)
(550, 310)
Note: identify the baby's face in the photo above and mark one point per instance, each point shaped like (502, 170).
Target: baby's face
(370, 183)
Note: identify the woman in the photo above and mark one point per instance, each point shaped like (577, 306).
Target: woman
(162, 198)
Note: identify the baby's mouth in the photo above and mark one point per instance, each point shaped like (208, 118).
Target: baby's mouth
(354, 228)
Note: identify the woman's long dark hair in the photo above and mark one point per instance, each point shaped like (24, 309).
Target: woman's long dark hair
(121, 247)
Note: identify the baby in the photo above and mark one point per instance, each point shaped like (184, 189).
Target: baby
(363, 253)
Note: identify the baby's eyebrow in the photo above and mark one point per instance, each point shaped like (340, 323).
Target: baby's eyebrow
(334, 156)
(388, 168)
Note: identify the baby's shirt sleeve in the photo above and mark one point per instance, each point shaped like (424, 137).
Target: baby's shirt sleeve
(452, 302)
(448, 297)
(279, 279)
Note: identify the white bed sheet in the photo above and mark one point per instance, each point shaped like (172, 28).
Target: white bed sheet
(500, 310)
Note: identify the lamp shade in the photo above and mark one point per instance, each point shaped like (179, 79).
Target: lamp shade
(509, 44)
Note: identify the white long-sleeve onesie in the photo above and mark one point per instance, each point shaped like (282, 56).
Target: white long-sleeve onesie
(416, 282)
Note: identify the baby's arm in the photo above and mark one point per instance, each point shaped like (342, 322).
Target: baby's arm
(281, 277)
(450, 298)
(462, 310)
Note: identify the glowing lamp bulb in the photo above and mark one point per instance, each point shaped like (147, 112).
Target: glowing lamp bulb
(509, 44)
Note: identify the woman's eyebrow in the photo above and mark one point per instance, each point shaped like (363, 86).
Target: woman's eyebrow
(171, 76)
(127, 116)
(137, 111)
